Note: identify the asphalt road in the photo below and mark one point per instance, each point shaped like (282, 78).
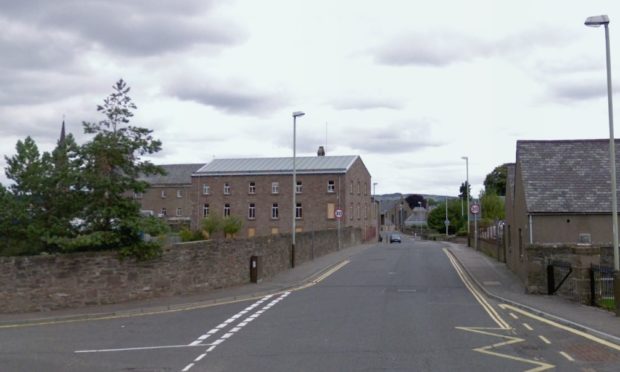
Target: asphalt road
(393, 307)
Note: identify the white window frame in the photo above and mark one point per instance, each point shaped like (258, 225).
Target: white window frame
(299, 187)
(331, 186)
(179, 194)
(205, 189)
(164, 212)
(275, 212)
(227, 210)
(179, 212)
(251, 211)
(275, 187)
(298, 211)
(163, 194)
(205, 210)
(226, 188)
(252, 187)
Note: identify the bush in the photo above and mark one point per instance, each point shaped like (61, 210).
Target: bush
(211, 224)
(231, 225)
(188, 235)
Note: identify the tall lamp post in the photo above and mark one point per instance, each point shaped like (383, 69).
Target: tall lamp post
(296, 114)
(597, 21)
(466, 158)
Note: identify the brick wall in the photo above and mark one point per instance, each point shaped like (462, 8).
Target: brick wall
(42, 283)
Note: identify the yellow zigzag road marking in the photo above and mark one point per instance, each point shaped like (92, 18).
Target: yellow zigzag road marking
(541, 366)
(503, 326)
(610, 345)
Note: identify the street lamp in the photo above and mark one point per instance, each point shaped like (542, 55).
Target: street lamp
(466, 158)
(296, 114)
(597, 21)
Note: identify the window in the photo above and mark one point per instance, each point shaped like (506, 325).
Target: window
(226, 210)
(163, 193)
(251, 211)
(365, 188)
(299, 187)
(137, 195)
(359, 188)
(205, 189)
(351, 190)
(331, 187)
(274, 231)
(179, 194)
(163, 212)
(359, 210)
(274, 211)
(179, 212)
(331, 211)
(205, 210)
(352, 210)
(252, 188)
(366, 211)
(298, 211)
(251, 232)
(275, 187)
(226, 188)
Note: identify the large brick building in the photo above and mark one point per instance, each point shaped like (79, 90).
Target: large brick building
(169, 195)
(259, 192)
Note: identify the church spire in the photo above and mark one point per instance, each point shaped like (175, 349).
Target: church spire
(61, 140)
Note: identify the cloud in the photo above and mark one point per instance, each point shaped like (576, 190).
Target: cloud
(572, 90)
(231, 97)
(134, 28)
(357, 103)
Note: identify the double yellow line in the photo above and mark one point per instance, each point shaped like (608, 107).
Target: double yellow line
(477, 295)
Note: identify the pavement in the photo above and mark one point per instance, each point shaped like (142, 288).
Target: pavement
(492, 277)
(498, 282)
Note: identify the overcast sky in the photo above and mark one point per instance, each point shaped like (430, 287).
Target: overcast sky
(411, 86)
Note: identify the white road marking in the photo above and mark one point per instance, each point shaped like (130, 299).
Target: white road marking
(513, 316)
(544, 339)
(568, 357)
(200, 357)
(528, 327)
(187, 367)
(137, 348)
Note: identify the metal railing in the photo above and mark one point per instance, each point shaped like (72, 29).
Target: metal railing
(602, 286)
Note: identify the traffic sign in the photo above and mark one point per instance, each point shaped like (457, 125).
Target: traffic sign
(446, 222)
(474, 208)
(339, 213)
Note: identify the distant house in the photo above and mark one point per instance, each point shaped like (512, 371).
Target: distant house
(169, 196)
(394, 211)
(558, 192)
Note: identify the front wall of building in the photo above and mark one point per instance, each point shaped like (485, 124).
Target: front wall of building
(357, 200)
(152, 200)
(567, 228)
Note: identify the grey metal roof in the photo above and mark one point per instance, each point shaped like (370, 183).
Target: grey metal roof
(175, 174)
(566, 176)
(304, 165)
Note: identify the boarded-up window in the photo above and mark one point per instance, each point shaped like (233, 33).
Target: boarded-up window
(274, 231)
(251, 232)
(299, 229)
(331, 210)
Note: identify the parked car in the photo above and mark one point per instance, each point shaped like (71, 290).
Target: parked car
(395, 238)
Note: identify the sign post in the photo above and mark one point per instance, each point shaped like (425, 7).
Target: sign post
(475, 210)
(339, 213)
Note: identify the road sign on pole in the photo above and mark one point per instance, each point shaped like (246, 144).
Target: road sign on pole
(474, 208)
(339, 213)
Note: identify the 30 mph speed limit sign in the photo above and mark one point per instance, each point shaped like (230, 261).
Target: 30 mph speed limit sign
(339, 213)
(474, 208)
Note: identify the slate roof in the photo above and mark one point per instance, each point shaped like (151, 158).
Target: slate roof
(175, 174)
(566, 176)
(304, 165)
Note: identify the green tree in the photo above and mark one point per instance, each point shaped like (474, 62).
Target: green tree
(495, 182)
(492, 206)
(437, 216)
(212, 224)
(231, 225)
(112, 165)
(462, 193)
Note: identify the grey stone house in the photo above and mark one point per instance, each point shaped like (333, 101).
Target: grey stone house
(557, 195)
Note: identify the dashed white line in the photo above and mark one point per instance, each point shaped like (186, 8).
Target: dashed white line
(188, 367)
(200, 357)
(568, 357)
(513, 316)
(528, 327)
(544, 339)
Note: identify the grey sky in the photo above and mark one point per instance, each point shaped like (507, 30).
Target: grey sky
(409, 85)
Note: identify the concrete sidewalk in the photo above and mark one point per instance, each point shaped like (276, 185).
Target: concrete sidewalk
(497, 281)
(300, 275)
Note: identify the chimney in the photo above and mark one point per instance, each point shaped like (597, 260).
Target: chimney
(321, 151)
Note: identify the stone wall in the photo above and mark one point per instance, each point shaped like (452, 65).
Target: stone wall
(579, 257)
(43, 283)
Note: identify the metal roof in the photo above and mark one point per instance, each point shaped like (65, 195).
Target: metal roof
(266, 166)
(175, 174)
(566, 176)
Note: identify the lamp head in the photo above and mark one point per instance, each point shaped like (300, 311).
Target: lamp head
(298, 113)
(596, 21)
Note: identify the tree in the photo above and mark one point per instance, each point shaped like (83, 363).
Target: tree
(112, 165)
(495, 182)
(415, 200)
(462, 193)
(436, 218)
(231, 225)
(211, 224)
(492, 206)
